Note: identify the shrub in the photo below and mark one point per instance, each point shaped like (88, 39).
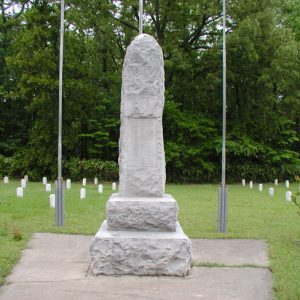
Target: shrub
(17, 233)
(103, 170)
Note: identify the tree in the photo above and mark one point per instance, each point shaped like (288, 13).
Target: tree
(263, 85)
(11, 132)
(258, 90)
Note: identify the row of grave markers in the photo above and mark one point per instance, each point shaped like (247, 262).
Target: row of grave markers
(82, 193)
(287, 183)
(20, 192)
(288, 194)
(24, 181)
(68, 182)
(44, 180)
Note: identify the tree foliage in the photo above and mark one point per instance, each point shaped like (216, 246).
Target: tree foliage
(263, 84)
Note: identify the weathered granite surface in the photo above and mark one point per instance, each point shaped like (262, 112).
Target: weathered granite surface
(141, 146)
(141, 235)
(142, 213)
(140, 253)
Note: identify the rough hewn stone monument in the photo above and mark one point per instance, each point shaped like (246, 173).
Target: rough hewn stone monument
(141, 235)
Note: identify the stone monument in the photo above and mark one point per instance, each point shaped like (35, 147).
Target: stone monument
(141, 235)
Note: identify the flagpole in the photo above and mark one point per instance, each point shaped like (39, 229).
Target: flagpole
(141, 16)
(59, 199)
(222, 211)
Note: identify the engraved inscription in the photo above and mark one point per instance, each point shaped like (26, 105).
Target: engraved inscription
(141, 143)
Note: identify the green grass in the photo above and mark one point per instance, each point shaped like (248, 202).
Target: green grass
(252, 214)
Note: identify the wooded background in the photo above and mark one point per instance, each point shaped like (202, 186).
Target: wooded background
(263, 105)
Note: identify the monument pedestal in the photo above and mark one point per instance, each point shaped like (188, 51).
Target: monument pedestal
(141, 236)
(140, 252)
(142, 213)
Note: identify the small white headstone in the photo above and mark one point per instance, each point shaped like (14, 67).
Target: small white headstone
(114, 186)
(52, 200)
(288, 196)
(251, 184)
(45, 180)
(100, 188)
(287, 184)
(276, 181)
(82, 193)
(260, 187)
(96, 181)
(48, 187)
(19, 192)
(26, 178)
(5, 180)
(84, 181)
(271, 191)
(243, 182)
(23, 183)
(68, 184)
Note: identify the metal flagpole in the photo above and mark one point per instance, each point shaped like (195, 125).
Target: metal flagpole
(222, 211)
(59, 199)
(141, 16)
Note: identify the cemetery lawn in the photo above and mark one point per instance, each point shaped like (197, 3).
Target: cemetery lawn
(252, 215)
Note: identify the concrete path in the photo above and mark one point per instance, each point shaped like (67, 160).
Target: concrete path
(55, 266)
(231, 252)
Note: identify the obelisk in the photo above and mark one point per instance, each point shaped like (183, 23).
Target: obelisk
(141, 235)
(142, 157)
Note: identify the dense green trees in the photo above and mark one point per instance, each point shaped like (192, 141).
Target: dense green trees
(263, 85)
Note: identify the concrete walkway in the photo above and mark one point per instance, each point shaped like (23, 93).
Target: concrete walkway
(55, 266)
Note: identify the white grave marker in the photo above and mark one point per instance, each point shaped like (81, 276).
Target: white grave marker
(44, 180)
(52, 200)
(82, 193)
(243, 182)
(84, 181)
(271, 191)
(26, 178)
(96, 181)
(68, 184)
(48, 187)
(260, 187)
(5, 180)
(288, 196)
(287, 184)
(19, 192)
(114, 186)
(276, 181)
(251, 184)
(23, 183)
(100, 188)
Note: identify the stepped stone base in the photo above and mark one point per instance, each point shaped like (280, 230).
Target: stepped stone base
(140, 253)
(142, 213)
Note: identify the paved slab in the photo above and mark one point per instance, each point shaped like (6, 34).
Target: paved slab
(203, 283)
(230, 252)
(55, 266)
(53, 257)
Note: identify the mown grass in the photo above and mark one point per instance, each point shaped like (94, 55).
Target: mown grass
(251, 214)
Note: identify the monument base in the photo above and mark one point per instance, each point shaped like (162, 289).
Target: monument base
(140, 253)
(141, 213)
